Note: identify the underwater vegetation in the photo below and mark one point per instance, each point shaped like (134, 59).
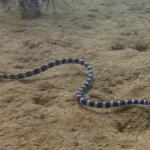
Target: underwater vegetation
(29, 8)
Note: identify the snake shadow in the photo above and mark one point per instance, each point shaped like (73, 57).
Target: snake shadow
(34, 79)
(113, 110)
(105, 111)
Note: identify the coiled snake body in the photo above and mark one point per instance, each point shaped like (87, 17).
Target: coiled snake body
(83, 87)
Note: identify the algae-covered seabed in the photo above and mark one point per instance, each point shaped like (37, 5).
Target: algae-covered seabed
(40, 113)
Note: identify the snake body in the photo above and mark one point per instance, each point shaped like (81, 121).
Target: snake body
(84, 87)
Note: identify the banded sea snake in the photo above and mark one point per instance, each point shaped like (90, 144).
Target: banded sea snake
(83, 87)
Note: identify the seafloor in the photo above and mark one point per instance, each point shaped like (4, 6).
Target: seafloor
(40, 113)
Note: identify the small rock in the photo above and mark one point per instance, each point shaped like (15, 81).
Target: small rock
(19, 66)
(141, 47)
(44, 86)
(117, 46)
(75, 143)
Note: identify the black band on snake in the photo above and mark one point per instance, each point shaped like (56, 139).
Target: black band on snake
(83, 87)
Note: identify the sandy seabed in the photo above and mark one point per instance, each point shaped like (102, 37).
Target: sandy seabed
(40, 113)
